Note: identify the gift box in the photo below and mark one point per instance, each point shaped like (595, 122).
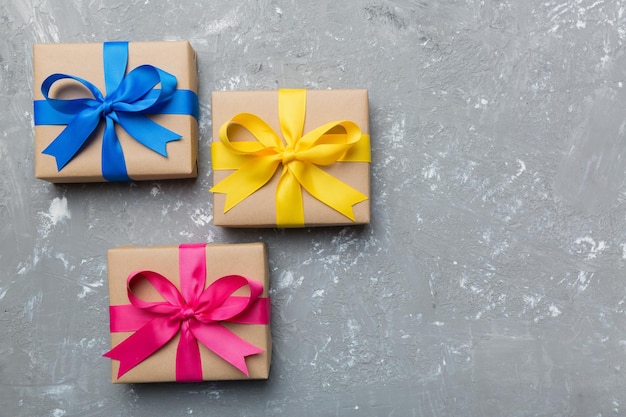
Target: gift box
(115, 111)
(290, 158)
(189, 313)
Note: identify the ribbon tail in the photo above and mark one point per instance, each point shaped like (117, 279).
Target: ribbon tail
(289, 204)
(65, 146)
(143, 343)
(328, 189)
(113, 162)
(225, 344)
(247, 180)
(188, 362)
(150, 134)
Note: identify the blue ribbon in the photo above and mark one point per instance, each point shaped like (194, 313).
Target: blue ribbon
(129, 98)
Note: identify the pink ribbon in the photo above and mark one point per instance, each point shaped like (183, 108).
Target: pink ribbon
(195, 312)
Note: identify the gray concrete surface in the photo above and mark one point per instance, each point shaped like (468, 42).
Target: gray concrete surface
(491, 280)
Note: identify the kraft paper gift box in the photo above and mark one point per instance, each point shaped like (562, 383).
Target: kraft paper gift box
(290, 158)
(216, 330)
(133, 115)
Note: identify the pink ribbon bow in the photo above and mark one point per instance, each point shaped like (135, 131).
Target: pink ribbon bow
(195, 312)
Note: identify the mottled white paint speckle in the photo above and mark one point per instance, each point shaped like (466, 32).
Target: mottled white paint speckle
(155, 190)
(87, 343)
(230, 19)
(88, 288)
(588, 244)
(234, 82)
(330, 260)
(66, 264)
(58, 212)
(57, 412)
(58, 390)
(431, 171)
(201, 218)
(286, 279)
(463, 281)
(318, 293)
(583, 280)
(531, 301)
(554, 311)
(521, 168)
(353, 328)
(32, 304)
(396, 133)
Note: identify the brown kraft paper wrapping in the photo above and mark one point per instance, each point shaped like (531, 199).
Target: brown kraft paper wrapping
(248, 260)
(86, 61)
(322, 106)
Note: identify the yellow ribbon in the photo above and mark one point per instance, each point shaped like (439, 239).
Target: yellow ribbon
(300, 155)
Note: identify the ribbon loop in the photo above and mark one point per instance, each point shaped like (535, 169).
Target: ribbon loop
(256, 162)
(196, 313)
(128, 96)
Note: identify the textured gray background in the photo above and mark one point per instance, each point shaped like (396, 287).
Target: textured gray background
(491, 280)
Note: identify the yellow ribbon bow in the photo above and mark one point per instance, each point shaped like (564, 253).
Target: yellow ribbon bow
(300, 155)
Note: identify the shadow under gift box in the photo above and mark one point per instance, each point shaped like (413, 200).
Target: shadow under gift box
(248, 260)
(322, 106)
(86, 61)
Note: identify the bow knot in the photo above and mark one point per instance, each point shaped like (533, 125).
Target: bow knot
(107, 107)
(186, 313)
(288, 155)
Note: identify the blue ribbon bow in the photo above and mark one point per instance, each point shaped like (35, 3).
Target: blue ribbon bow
(129, 98)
